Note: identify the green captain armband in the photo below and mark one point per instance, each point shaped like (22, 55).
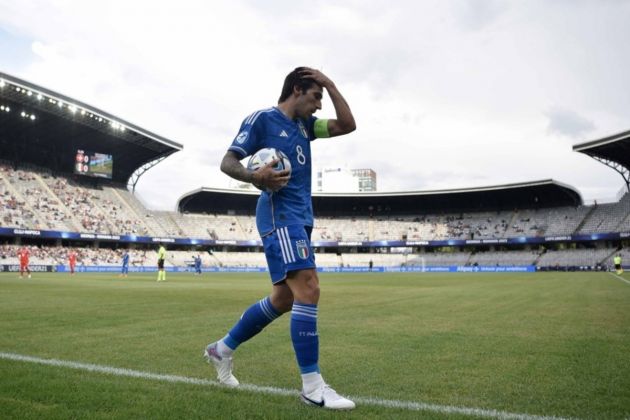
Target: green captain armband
(320, 128)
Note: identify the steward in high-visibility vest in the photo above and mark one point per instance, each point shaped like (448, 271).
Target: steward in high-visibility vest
(617, 261)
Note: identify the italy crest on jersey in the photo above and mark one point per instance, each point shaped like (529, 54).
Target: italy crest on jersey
(303, 129)
(302, 249)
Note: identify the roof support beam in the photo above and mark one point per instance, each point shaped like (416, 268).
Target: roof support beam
(622, 170)
(135, 177)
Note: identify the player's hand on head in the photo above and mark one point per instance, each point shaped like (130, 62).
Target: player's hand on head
(316, 75)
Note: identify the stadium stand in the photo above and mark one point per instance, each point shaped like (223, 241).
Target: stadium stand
(503, 258)
(240, 259)
(153, 225)
(29, 190)
(15, 212)
(624, 226)
(378, 259)
(440, 259)
(607, 217)
(354, 229)
(328, 260)
(574, 257)
(35, 198)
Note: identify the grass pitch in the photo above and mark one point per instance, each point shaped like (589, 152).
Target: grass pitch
(543, 344)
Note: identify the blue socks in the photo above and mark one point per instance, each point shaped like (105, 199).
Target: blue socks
(304, 336)
(303, 331)
(253, 320)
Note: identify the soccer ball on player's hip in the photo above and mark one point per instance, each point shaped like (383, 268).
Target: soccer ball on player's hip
(266, 156)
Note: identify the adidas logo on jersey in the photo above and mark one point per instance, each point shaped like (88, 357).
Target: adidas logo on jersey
(284, 134)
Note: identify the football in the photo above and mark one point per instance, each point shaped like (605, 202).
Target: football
(267, 155)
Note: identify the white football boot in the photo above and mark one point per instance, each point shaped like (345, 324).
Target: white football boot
(326, 397)
(222, 364)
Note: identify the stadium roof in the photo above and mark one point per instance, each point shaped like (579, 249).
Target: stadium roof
(612, 151)
(44, 128)
(527, 195)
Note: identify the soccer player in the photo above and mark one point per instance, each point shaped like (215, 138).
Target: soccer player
(23, 255)
(72, 260)
(125, 264)
(198, 264)
(284, 219)
(617, 262)
(160, 263)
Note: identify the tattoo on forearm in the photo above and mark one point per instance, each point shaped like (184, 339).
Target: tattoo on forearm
(233, 168)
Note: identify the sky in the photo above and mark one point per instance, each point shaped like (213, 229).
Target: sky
(446, 93)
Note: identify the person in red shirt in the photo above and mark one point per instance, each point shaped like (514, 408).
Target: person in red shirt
(23, 255)
(72, 260)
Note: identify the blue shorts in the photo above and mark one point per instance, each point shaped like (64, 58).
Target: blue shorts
(288, 249)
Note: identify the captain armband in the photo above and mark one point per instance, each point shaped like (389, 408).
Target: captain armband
(320, 128)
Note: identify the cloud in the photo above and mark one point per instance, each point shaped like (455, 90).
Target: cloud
(568, 123)
(474, 15)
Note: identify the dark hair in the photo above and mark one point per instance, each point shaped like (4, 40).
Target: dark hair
(294, 79)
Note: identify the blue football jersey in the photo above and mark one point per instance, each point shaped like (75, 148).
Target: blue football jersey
(271, 128)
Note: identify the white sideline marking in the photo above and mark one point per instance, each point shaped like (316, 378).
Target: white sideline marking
(403, 405)
(619, 277)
